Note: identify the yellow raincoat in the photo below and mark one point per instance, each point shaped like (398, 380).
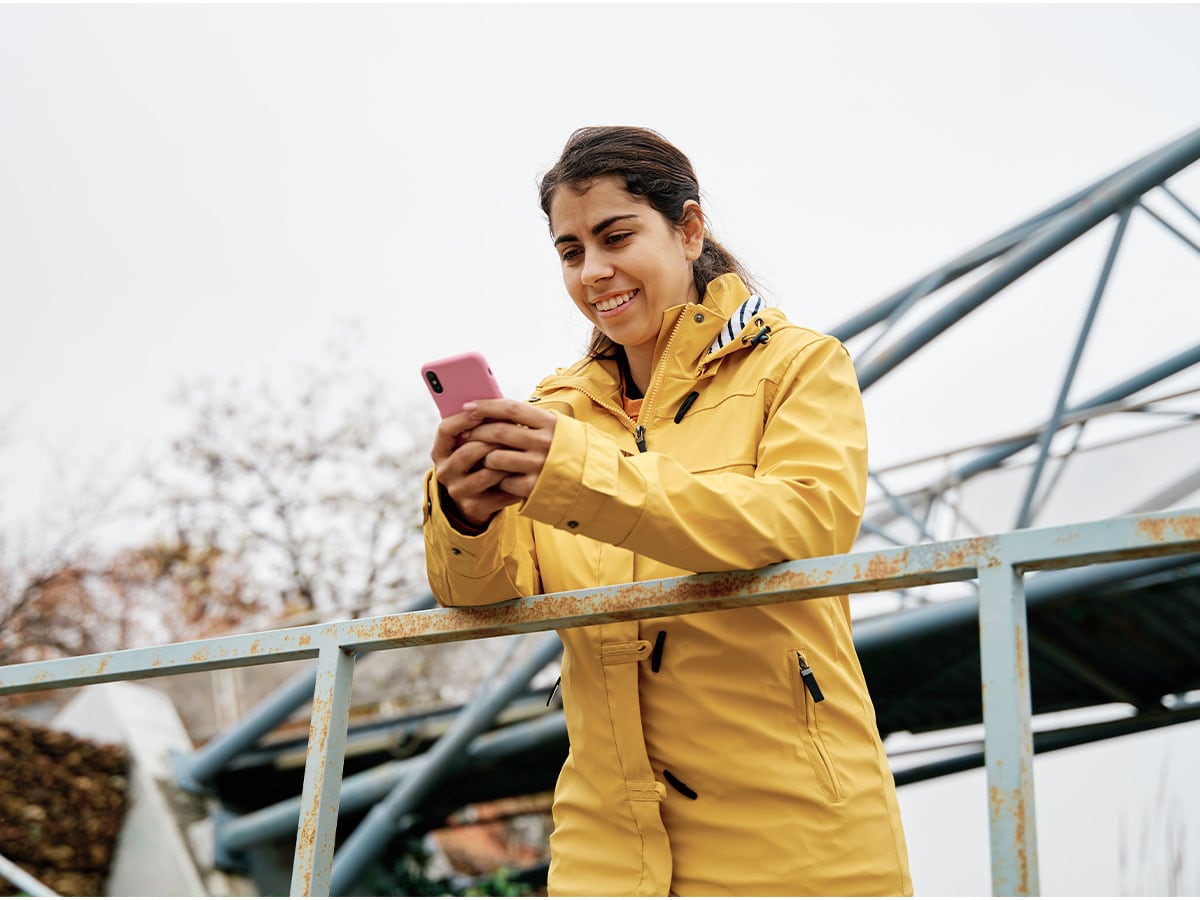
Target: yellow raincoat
(732, 752)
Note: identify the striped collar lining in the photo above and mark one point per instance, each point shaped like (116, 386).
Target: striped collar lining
(737, 322)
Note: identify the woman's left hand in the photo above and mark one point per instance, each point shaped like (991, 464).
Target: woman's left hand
(522, 434)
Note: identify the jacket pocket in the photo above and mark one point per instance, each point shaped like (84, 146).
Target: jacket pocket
(807, 698)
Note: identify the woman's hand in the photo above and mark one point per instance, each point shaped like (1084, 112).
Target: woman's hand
(490, 455)
(519, 435)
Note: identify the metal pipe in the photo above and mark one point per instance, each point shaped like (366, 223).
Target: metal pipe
(193, 771)
(965, 263)
(1047, 741)
(1008, 730)
(1172, 532)
(361, 848)
(1060, 402)
(996, 455)
(1106, 200)
(1171, 228)
(365, 788)
(313, 860)
(1179, 202)
(902, 508)
(22, 880)
(880, 631)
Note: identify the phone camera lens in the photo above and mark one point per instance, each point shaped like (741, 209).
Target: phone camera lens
(434, 382)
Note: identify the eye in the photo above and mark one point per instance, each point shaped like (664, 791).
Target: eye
(570, 254)
(620, 237)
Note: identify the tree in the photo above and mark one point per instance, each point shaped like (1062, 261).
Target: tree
(313, 491)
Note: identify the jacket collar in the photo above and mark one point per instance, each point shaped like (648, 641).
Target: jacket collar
(727, 326)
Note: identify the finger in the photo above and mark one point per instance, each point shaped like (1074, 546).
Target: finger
(509, 435)
(515, 411)
(448, 434)
(482, 507)
(514, 461)
(461, 460)
(518, 485)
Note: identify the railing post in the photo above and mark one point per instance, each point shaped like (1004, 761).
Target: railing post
(22, 880)
(323, 772)
(1008, 741)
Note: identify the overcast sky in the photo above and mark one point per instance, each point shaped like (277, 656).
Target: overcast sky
(216, 190)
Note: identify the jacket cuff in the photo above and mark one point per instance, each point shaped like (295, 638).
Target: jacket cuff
(463, 554)
(580, 483)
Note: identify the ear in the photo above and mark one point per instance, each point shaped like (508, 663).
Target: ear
(691, 228)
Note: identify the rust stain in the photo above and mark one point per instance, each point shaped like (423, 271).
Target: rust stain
(888, 566)
(1158, 529)
(974, 553)
(999, 801)
(200, 655)
(304, 640)
(256, 647)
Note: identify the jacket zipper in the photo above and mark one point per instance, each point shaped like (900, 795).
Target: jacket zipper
(639, 431)
(809, 679)
(659, 376)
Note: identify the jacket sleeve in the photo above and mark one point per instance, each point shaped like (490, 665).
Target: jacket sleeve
(804, 499)
(499, 564)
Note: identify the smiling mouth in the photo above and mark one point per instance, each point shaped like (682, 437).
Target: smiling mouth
(611, 304)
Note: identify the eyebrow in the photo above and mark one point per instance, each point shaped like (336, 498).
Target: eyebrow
(596, 229)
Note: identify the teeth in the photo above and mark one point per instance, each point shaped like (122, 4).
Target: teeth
(614, 302)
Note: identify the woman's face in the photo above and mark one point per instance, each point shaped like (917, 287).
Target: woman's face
(623, 263)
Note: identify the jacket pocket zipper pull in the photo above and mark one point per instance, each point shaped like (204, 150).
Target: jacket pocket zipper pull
(557, 682)
(656, 654)
(679, 785)
(810, 680)
(639, 435)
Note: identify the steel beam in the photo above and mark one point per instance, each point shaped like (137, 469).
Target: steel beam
(1106, 200)
(366, 788)
(193, 771)
(1008, 730)
(323, 772)
(1060, 403)
(362, 847)
(1157, 534)
(22, 880)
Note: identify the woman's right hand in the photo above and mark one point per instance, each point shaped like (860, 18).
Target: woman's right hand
(459, 468)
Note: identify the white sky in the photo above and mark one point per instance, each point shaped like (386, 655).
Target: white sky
(215, 190)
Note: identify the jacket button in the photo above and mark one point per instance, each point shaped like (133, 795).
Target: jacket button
(699, 317)
(572, 524)
(455, 551)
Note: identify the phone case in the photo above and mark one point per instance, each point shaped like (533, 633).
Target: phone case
(459, 379)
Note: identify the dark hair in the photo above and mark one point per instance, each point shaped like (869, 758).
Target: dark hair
(652, 168)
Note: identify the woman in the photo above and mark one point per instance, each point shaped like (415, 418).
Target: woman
(732, 752)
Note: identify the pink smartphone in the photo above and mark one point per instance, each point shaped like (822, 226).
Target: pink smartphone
(460, 379)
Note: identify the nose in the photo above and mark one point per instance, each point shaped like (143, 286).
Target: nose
(596, 268)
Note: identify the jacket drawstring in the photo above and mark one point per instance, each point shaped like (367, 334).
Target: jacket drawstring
(762, 337)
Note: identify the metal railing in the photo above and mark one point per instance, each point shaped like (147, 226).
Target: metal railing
(999, 562)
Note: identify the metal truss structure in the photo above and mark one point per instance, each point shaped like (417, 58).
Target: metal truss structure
(921, 513)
